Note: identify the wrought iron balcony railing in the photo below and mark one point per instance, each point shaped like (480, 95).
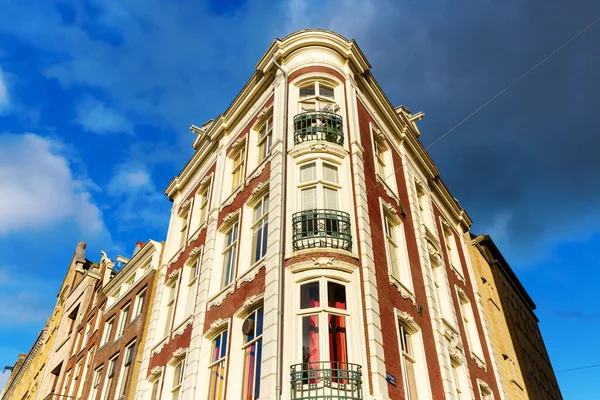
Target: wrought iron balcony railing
(329, 380)
(321, 228)
(318, 125)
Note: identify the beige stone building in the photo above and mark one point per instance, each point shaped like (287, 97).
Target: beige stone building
(523, 363)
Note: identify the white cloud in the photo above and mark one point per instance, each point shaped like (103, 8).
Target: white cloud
(4, 100)
(3, 379)
(37, 187)
(94, 116)
(139, 202)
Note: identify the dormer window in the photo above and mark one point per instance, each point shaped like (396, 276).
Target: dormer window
(317, 96)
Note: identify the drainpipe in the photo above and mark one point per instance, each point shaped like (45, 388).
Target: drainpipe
(281, 228)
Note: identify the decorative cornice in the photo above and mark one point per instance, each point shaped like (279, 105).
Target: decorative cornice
(407, 318)
(378, 132)
(178, 355)
(250, 275)
(461, 293)
(323, 261)
(480, 363)
(318, 147)
(197, 233)
(434, 254)
(160, 346)
(229, 217)
(238, 142)
(390, 208)
(205, 180)
(264, 111)
(155, 372)
(258, 188)
(185, 206)
(177, 255)
(232, 197)
(446, 226)
(459, 276)
(218, 300)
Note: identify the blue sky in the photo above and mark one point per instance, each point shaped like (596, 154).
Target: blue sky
(96, 98)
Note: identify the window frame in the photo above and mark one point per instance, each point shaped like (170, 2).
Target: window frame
(394, 234)
(229, 265)
(222, 334)
(264, 140)
(317, 98)
(258, 340)
(180, 375)
(139, 304)
(260, 226)
(96, 381)
(319, 184)
(107, 333)
(170, 305)
(237, 158)
(123, 320)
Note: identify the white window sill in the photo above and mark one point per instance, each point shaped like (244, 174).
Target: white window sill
(229, 200)
(182, 325)
(158, 347)
(250, 274)
(405, 292)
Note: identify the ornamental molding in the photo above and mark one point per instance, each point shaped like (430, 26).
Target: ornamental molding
(478, 361)
(155, 372)
(407, 318)
(229, 217)
(178, 355)
(220, 298)
(446, 226)
(434, 255)
(104, 259)
(461, 293)
(406, 295)
(196, 251)
(177, 255)
(178, 331)
(420, 187)
(252, 301)
(259, 170)
(173, 276)
(387, 190)
(238, 142)
(318, 147)
(484, 385)
(197, 233)
(232, 197)
(185, 206)
(160, 346)
(258, 188)
(250, 275)
(216, 326)
(205, 180)
(459, 276)
(390, 208)
(264, 111)
(323, 261)
(378, 132)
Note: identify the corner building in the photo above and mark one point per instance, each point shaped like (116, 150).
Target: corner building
(313, 250)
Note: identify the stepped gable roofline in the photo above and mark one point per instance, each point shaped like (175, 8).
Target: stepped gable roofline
(498, 259)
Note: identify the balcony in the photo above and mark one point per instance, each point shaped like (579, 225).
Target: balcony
(321, 228)
(326, 380)
(318, 126)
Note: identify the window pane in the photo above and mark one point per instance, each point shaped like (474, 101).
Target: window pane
(309, 295)
(308, 172)
(336, 295)
(307, 91)
(330, 173)
(309, 198)
(338, 350)
(325, 91)
(310, 338)
(259, 321)
(330, 199)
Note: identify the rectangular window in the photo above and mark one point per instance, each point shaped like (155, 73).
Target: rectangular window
(469, 324)
(397, 252)
(452, 249)
(216, 388)
(123, 380)
(237, 171)
(230, 255)
(170, 307)
(76, 376)
(191, 287)
(112, 369)
(88, 333)
(108, 327)
(139, 303)
(155, 389)
(424, 207)
(66, 384)
(460, 384)
(123, 318)
(252, 356)
(486, 392)
(86, 368)
(204, 194)
(308, 172)
(265, 135)
(177, 380)
(96, 383)
(317, 97)
(260, 228)
(441, 291)
(183, 229)
(380, 162)
(408, 360)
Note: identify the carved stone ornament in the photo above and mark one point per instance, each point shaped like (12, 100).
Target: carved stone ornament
(252, 301)
(197, 233)
(231, 198)
(173, 276)
(160, 346)
(238, 142)
(178, 354)
(195, 252)
(156, 372)
(434, 255)
(320, 147)
(323, 261)
(205, 180)
(461, 293)
(378, 132)
(249, 277)
(390, 208)
(263, 112)
(478, 361)
(456, 355)
(407, 318)
(220, 298)
(229, 216)
(258, 188)
(105, 259)
(420, 187)
(216, 326)
(459, 276)
(447, 226)
(484, 385)
(185, 206)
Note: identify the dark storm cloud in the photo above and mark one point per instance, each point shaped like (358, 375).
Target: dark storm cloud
(531, 157)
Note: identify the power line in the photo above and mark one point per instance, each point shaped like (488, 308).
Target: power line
(496, 96)
(578, 368)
